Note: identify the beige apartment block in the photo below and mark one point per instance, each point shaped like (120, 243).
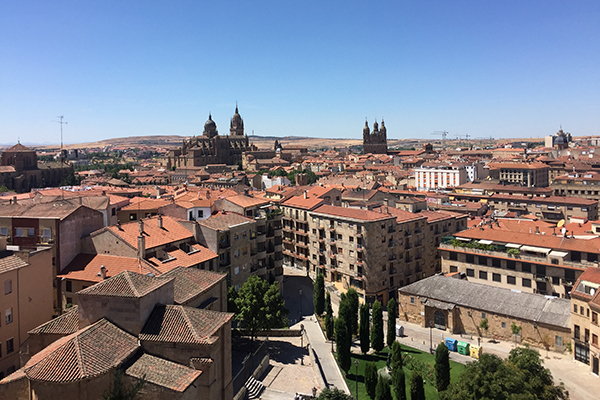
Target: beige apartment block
(25, 299)
(585, 310)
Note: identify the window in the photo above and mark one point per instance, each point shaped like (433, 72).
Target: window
(244, 251)
(8, 287)
(453, 268)
(594, 317)
(483, 275)
(510, 264)
(558, 341)
(46, 235)
(581, 310)
(526, 282)
(10, 346)
(412, 300)
(470, 258)
(504, 325)
(595, 339)
(483, 315)
(576, 332)
(575, 308)
(113, 211)
(496, 263)
(496, 278)
(8, 315)
(69, 286)
(340, 250)
(525, 267)
(3, 231)
(340, 237)
(69, 300)
(453, 256)
(237, 270)
(351, 239)
(470, 272)
(482, 260)
(511, 280)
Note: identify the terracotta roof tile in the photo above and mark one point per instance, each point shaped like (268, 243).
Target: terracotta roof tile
(89, 352)
(191, 282)
(352, 213)
(310, 203)
(163, 373)
(172, 231)
(179, 324)
(125, 284)
(247, 201)
(86, 267)
(65, 324)
(11, 262)
(224, 220)
(180, 258)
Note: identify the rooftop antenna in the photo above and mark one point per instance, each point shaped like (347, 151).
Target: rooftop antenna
(61, 122)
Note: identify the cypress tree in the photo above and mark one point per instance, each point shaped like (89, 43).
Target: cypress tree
(383, 391)
(391, 323)
(319, 294)
(328, 317)
(399, 383)
(343, 342)
(352, 297)
(417, 391)
(377, 328)
(371, 378)
(364, 329)
(442, 367)
(396, 360)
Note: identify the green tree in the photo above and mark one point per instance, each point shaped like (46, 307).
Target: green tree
(483, 324)
(120, 390)
(319, 294)
(352, 296)
(442, 367)
(333, 394)
(377, 328)
(365, 343)
(399, 383)
(328, 317)
(231, 296)
(538, 377)
(371, 378)
(396, 358)
(345, 312)
(391, 323)
(260, 306)
(343, 341)
(417, 390)
(382, 390)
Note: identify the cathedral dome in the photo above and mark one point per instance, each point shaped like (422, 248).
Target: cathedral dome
(210, 123)
(366, 128)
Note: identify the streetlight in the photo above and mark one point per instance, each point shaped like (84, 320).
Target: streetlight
(300, 291)
(430, 337)
(356, 377)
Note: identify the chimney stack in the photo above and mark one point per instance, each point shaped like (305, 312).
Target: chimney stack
(141, 247)
(103, 272)
(160, 221)
(118, 225)
(305, 194)
(80, 200)
(14, 199)
(141, 225)
(537, 230)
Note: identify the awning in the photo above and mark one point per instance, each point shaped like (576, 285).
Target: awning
(464, 239)
(486, 241)
(558, 253)
(536, 249)
(512, 245)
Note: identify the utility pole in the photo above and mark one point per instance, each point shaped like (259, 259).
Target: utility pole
(61, 122)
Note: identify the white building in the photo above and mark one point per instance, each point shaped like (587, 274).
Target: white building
(431, 176)
(268, 183)
(475, 171)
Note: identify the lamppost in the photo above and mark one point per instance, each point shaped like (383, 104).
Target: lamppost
(300, 292)
(356, 377)
(430, 337)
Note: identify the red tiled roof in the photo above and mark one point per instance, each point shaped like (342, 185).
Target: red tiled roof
(172, 231)
(352, 213)
(309, 203)
(180, 258)
(86, 267)
(125, 284)
(89, 352)
(11, 262)
(246, 201)
(65, 324)
(191, 282)
(179, 324)
(162, 372)
(223, 220)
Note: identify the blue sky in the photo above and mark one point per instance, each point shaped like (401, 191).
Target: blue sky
(305, 68)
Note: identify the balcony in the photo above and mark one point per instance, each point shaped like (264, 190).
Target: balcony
(540, 278)
(392, 257)
(224, 244)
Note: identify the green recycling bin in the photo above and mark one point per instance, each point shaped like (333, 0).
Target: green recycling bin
(463, 348)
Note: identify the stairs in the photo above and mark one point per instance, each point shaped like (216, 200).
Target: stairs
(255, 388)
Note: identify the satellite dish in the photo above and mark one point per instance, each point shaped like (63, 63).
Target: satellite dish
(560, 223)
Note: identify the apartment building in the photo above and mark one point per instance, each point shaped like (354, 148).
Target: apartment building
(520, 173)
(25, 299)
(551, 208)
(585, 308)
(432, 176)
(584, 185)
(536, 262)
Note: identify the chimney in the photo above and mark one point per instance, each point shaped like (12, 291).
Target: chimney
(160, 221)
(141, 225)
(103, 272)
(118, 225)
(141, 247)
(104, 193)
(305, 194)
(80, 200)
(386, 202)
(14, 199)
(208, 194)
(537, 230)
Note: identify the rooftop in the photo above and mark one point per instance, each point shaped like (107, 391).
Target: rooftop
(125, 284)
(191, 282)
(352, 213)
(224, 220)
(162, 372)
(171, 231)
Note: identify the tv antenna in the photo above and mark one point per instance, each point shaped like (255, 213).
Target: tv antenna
(61, 122)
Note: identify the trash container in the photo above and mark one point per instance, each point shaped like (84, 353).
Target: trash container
(451, 344)
(463, 348)
(399, 330)
(475, 351)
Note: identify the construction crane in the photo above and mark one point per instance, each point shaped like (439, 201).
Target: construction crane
(491, 139)
(443, 134)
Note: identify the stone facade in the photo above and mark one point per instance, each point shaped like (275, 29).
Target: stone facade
(375, 142)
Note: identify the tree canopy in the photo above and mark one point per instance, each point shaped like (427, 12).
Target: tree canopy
(391, 325)
(352, 296)
(377, 328)
(333, 394)
(319, 294)
(442, 367)
(365, 343)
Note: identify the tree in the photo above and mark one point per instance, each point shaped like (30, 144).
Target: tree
(352, 296)
(520, 376)
(345, 312)
(417, 390)
(119, 390)
(399, 383)
(328, 317)
(319, 294)
(377, 328)
(484, 325)
(231, 296)
(396, 358)
(371, 378)
(333, 394)
(391, 325)
(260, 306)
(343, 342)
(364, 329)
(442, 367)
(382, 390)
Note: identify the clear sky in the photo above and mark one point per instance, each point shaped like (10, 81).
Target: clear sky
(304, 68)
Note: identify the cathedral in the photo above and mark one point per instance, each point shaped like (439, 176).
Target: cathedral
(212, 148)
(375, 142)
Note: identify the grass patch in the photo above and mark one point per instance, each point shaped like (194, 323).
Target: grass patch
(380, 359)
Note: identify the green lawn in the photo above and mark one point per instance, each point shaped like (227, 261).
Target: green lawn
(430, 393)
